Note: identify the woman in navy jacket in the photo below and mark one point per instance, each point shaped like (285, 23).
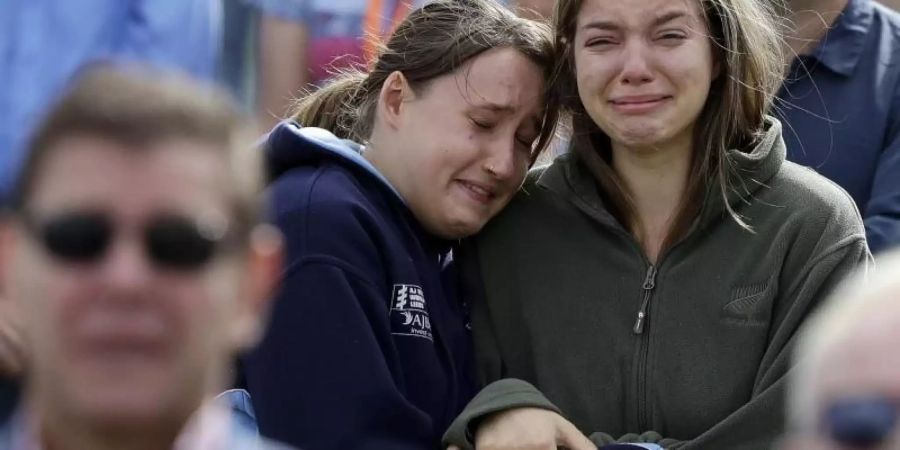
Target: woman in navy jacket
(368, 344)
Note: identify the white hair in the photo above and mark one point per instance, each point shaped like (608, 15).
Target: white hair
(852, 304)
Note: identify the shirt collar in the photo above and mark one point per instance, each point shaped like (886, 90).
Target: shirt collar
(843, 44)
(210, 427)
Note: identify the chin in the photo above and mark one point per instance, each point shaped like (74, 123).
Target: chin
(639, 136)
(124, 407)
(459, 229)
(126, 395)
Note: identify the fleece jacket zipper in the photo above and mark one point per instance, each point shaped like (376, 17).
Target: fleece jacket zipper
(640, 324)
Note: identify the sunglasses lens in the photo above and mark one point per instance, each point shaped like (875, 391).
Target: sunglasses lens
(861, 423)
(179, 244)
(77, 237)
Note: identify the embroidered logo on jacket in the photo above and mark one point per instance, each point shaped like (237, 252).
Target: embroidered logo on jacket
(409, 314)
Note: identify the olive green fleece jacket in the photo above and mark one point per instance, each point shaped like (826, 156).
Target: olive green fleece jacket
(690, 353)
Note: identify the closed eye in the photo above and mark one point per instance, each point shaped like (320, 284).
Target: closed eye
(600, 42)
(671, 36)
(483, 124)
(526, 141)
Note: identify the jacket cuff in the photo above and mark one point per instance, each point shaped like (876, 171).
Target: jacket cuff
(498, 396)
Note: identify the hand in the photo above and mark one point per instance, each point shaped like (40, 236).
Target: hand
(12, 348)
(529, 429)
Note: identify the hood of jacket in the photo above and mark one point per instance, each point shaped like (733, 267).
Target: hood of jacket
(290, 145)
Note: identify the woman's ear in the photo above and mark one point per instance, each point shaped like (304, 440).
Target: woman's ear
(394, 93)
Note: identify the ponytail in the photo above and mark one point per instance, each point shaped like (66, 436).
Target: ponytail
(336, 107)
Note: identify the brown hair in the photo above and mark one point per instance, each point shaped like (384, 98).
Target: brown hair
(432, 41)
(139, 108)
(748, 50)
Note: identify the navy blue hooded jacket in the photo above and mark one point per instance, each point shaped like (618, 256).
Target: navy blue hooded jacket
(368, 346)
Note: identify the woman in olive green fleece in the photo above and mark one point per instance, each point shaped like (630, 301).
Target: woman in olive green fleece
(648, 286)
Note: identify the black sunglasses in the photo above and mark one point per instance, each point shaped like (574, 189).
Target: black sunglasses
(861, 422)
(170, 241)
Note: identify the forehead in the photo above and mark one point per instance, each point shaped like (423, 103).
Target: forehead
(500, 77)
(84, 171)
(638, 13)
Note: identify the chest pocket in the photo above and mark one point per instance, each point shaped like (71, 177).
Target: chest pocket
(750, 305)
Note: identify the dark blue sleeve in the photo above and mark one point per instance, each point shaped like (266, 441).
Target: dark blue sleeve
(882, 213)
(321, 378)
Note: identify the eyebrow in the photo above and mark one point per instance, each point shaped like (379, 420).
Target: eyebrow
(668, 17)
(497, 107)
(612, 26)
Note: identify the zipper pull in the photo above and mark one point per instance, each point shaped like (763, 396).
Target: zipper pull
(639, 323)
(650, 279)
(649, 284)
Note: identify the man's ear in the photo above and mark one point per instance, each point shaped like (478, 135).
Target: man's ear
(394, 93)
(7, 238)
(13, 347)
(265, 259)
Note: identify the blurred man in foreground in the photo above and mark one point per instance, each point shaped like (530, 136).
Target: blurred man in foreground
(846, 390)
(133, 256)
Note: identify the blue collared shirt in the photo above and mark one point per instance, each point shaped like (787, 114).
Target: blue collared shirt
(212, 427)
(841, 108)
(43, 43)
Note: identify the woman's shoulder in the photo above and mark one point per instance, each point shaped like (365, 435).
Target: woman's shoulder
(330, 210)
(812, 203)
(806, 190)
(326, 191)
(533, 197)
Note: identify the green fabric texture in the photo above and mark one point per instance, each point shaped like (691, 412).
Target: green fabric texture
(556, 285)
(484, 405)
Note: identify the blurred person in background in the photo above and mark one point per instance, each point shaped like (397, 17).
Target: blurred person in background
(133, 253)
(374, 179)
(45, 42)
(237, 62)
(840, 103)
(302, 42)
(845, 392)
